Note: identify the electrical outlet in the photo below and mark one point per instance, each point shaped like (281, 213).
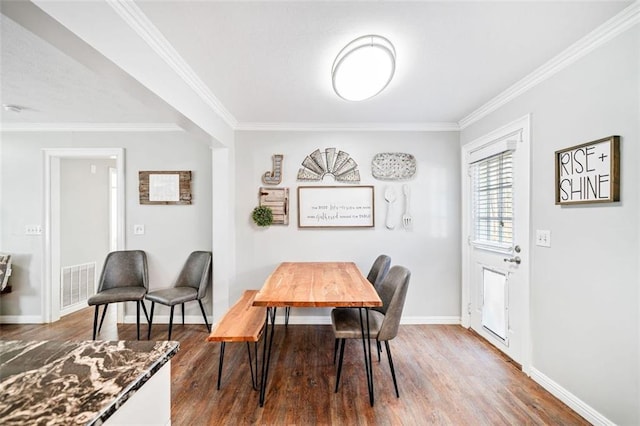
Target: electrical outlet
(33, 230)
(543, 238)
(138, 229)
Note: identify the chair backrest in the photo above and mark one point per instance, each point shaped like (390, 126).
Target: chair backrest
(393, 292)
(196, 272)
(127, 268)
(379, 270)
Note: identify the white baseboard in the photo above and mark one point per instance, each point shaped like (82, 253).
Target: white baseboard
(576, 404)
(21, 319)
(326, 320)
(164, 319)
(197, 319)
(443, 320)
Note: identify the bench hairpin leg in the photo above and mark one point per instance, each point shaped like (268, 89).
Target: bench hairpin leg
(254, 377)
(220, 361)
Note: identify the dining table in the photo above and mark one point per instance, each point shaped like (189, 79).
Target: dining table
(316, 285)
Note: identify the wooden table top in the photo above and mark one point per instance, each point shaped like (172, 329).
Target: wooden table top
(317, 284)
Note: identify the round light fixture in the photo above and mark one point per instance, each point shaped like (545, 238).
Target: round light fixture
(363, 68)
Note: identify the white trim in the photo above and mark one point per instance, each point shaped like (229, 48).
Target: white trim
(21, 319)
(164, 319)
(50, 258)
(90, 127)
(575, 403)
(436, 320)
(326, 320)
(138, 21)
(341, 127)
(621, 22)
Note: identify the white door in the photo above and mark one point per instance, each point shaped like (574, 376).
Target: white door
(496, 238)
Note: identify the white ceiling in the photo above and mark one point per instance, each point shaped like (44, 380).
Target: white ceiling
(269, 62)
(54, 88)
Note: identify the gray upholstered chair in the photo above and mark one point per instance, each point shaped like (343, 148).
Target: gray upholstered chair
(379, 270)
(191, 284)
(124, 278)
(383, 322)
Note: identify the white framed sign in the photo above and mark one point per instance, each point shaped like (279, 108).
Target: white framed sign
(336, 206)
(589, 173)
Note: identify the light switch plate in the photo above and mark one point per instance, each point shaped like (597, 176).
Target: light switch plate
(138, 229)
(543, 238)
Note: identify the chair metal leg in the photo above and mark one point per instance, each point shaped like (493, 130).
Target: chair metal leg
(335, 350)
(138, 318)
(220, 362)
(204, 315)
(287, 311)
(171, 321)
(182, 306)
(104, 312)
(379, 349)
(342, 342)
(393, 371)
(144, 309)
(153, 305)
(95, 322)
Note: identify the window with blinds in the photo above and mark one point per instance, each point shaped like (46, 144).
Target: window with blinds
(492, 198)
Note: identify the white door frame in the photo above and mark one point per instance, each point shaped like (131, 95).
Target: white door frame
(522, 124)
(51, 255)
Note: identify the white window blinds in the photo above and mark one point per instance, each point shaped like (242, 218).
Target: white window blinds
(492, 198)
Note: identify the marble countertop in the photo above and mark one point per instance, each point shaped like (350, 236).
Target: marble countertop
(80, 382)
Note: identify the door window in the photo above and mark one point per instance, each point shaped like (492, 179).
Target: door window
(492, 201)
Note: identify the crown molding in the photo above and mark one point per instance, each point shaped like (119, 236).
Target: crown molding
(90, 127)
(138, 21)
(615, 26)
(346, 127)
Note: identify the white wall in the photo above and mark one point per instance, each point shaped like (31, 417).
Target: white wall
(171, 232)
(585, 288)
(84, 205)
(431, 250)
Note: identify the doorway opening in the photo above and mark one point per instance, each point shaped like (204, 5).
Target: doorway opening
(72, 211)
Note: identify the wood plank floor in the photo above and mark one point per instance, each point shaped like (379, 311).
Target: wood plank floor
(446, 374)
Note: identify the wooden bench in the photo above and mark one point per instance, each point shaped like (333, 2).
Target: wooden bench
(243, 322)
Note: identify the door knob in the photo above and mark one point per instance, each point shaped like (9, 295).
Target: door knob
(515, 260)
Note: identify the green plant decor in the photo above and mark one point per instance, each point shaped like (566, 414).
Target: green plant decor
(262, 216)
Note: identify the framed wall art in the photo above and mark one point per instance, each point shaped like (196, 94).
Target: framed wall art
(588, 173)
(336, 206)
(165, 187)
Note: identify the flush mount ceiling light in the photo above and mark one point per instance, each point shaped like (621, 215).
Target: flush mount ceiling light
(363, 68)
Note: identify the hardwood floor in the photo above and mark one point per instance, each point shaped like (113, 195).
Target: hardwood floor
(446, 375)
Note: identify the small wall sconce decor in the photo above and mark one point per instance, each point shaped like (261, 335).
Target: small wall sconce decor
(165, 187)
